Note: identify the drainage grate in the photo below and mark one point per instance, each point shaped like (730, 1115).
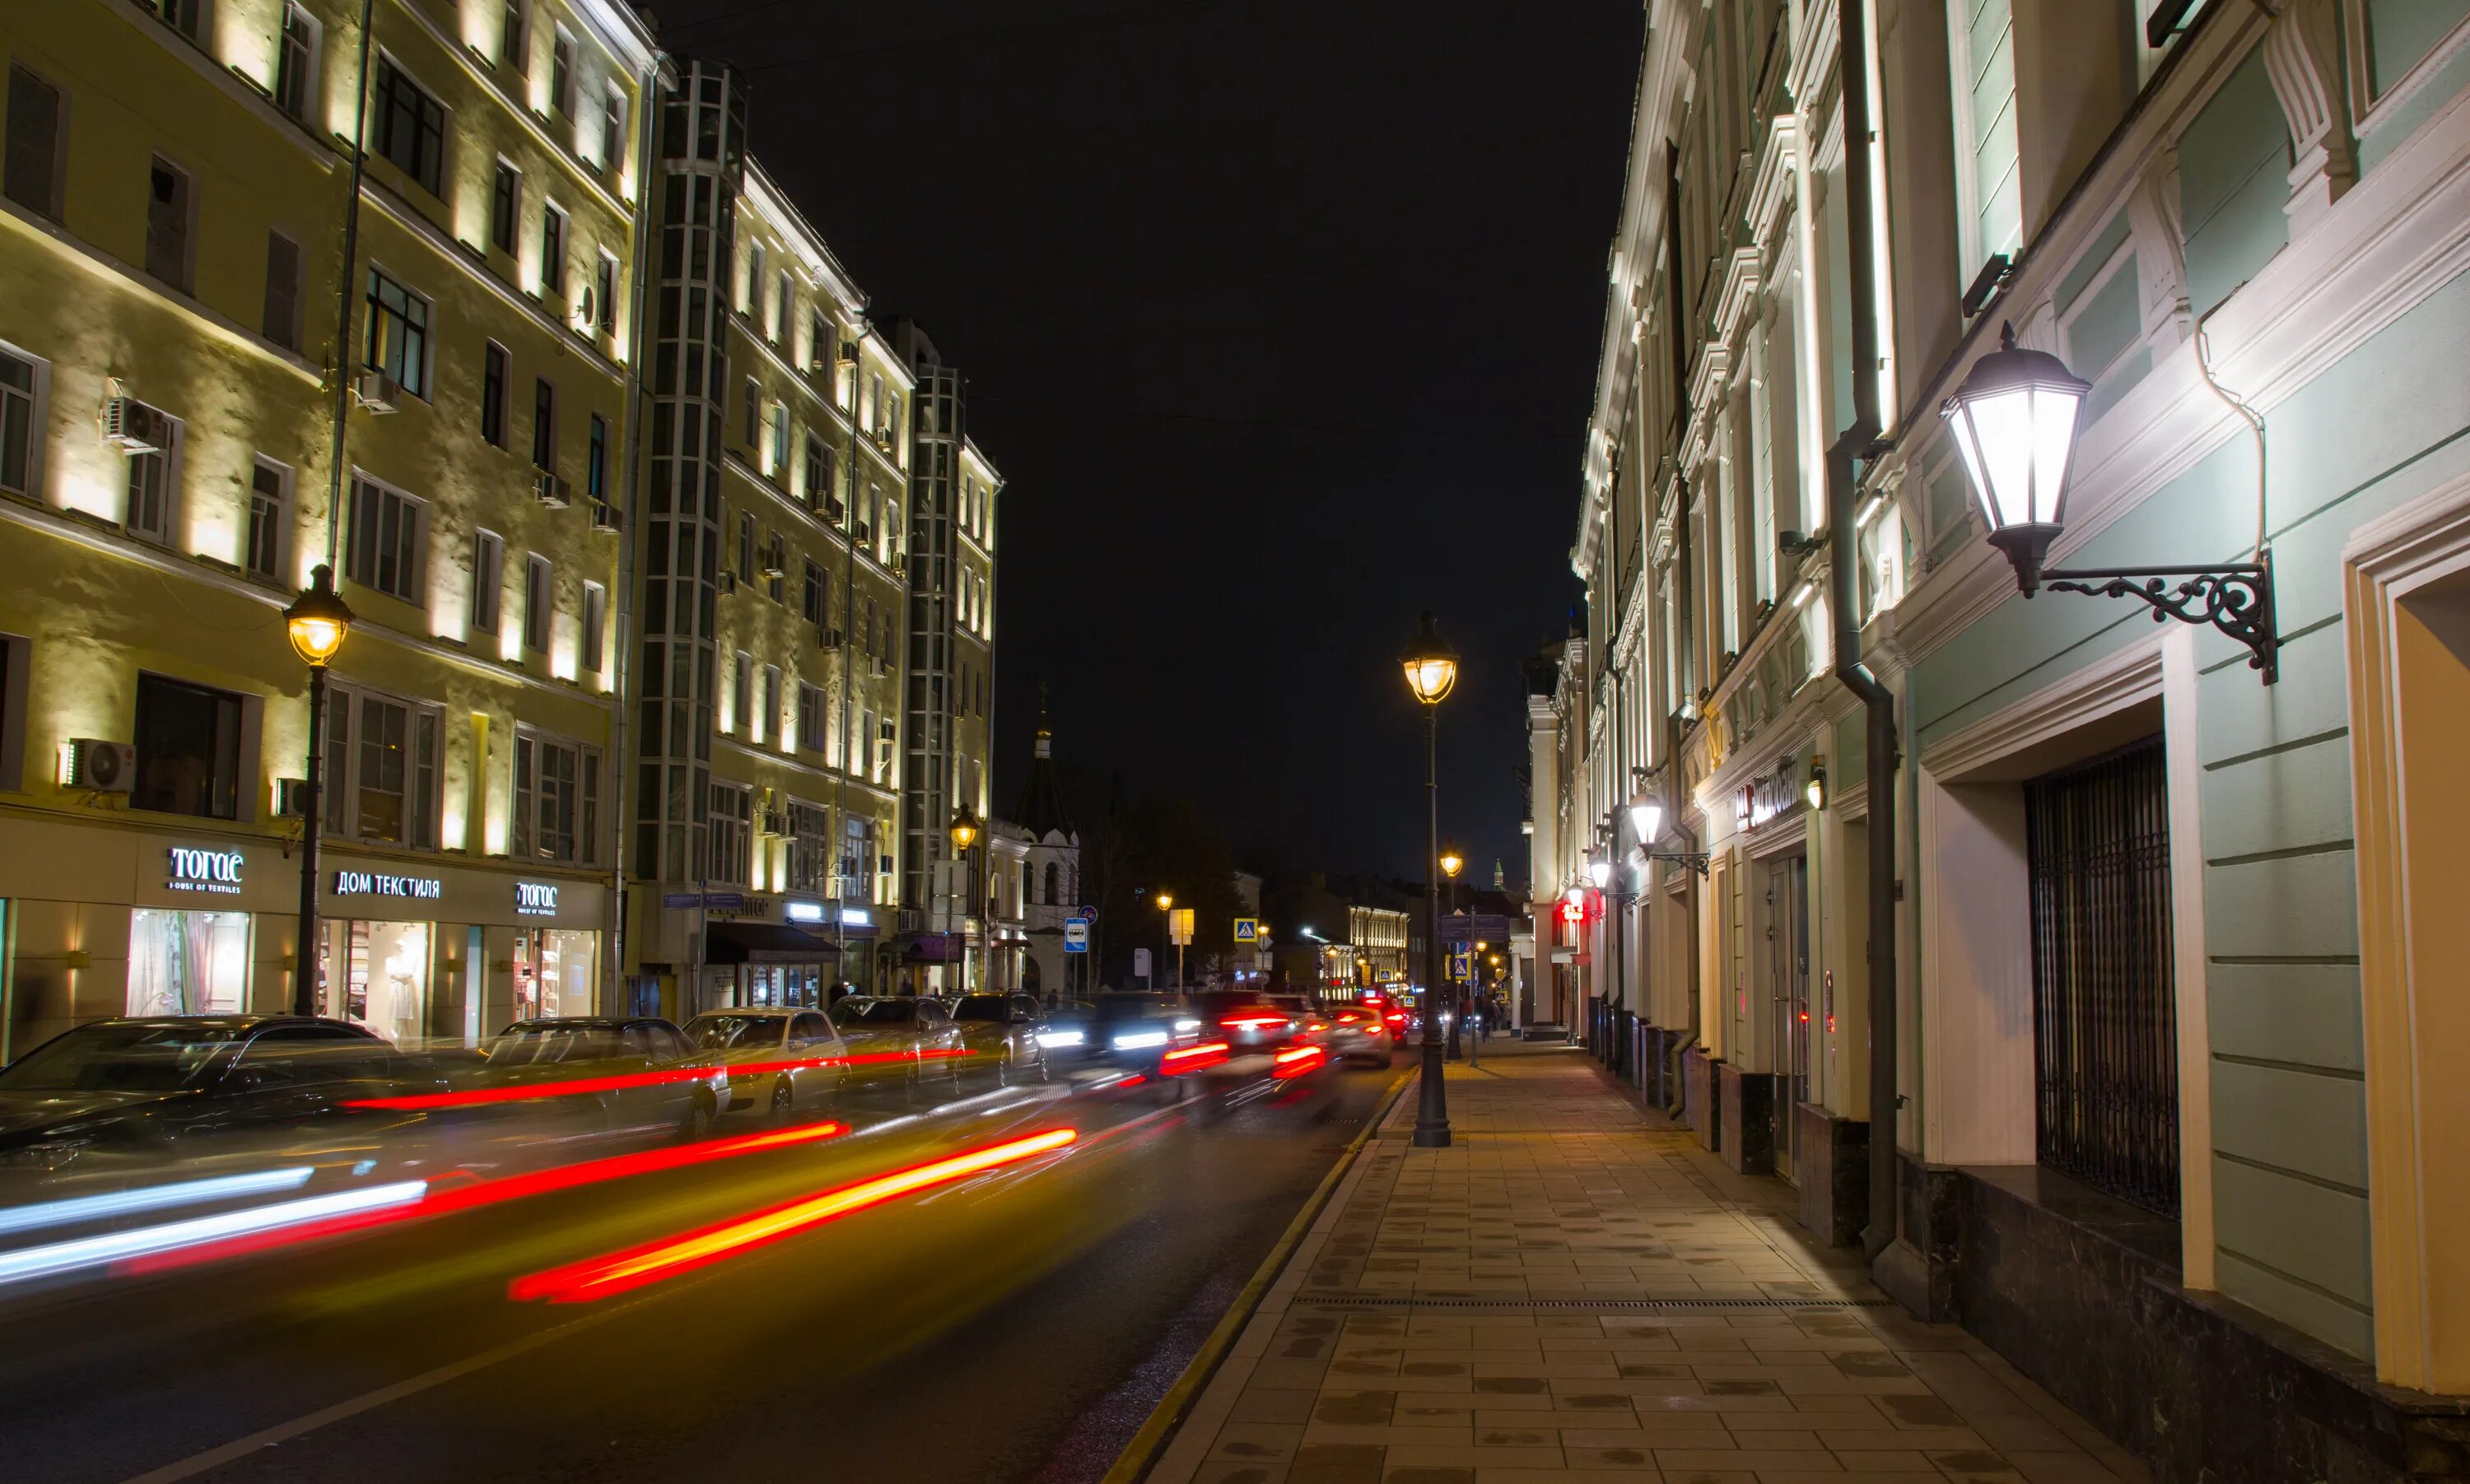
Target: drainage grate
(1369, 1301)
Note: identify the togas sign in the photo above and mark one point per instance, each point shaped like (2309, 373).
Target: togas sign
(205, 870)
(535, 899)
(373, 883)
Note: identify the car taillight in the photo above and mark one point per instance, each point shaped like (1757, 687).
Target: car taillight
(1255, 1022)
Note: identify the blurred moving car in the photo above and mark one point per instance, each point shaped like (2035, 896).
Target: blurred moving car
(1133, 1032)
(1000, 1033)
(139, 1090)
(916, 1030)
(1246, 1021)
(1300, 1009)
(779, 1058)
(562, 1048)
(1360, 1034)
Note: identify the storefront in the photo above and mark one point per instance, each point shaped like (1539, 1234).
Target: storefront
(108, 921)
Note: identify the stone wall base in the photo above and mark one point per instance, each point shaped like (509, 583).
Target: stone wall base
(1749, 1113)
(1832, 1171)
(1698, 1078)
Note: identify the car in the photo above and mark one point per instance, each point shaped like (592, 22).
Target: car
(915, 1030)
(631, 1049)
(1246, 1021)
(1001, 1033)
(1360, 1033)
(1300, 1009)
(780, 1060)
(131, 1090)
(1144, 1034)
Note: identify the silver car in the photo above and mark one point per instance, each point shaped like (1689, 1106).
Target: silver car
(781, 1060)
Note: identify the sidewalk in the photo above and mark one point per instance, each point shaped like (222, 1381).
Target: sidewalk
(1576, 1291)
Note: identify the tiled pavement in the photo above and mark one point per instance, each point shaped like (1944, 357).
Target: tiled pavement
(1473, 1315)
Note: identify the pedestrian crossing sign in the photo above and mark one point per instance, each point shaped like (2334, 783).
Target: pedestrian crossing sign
(1248, 930)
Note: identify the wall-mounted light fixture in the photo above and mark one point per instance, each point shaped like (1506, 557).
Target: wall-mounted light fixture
(1815, 791)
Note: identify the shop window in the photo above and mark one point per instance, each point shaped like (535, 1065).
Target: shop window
(378, 975)
(555, 972)
(188, 748)
(187, 963)
(557, 799)
(382, 768)
(731, 835)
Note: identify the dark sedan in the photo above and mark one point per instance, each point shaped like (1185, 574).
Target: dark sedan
(1248, 1022)
(1150, 1035)
(129, 1091)
(1001, 1032)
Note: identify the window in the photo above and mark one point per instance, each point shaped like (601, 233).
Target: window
(488, 579)
(731, 835)
(496, 369)
(596, 621)
(781, 308)
(296, 61)
(742, 697)
(810, 846)
(171, 206)
(505, 207)
(36, 131)
(776, 567)
(281, 323)
(382, 767)
(269, 488)
(810, 717)
(561, 74)
(745, 546)
(780, 460)
(857, 763)
(595, 460)
(552, 266)
(544, 426)
(185, 16)
(857, 883)
(539, 607)
(21, 382)
(152, 479)
(557, 799)
(613, 127)
(818, 588)
(604, 293)
(772, 698)
(188, 749)
(411, 127)
(1992, 217)
(754, 414)
(385, 545)
(754, 275)
(512, 37)
(819, 476)
(398, 334)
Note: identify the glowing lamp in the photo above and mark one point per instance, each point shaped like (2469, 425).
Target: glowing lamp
(1451, 862)
(1815, 791)
(965, 829)
(317, 619)
(1599, 870)
(1430, 665)
(2014, 420)
(1647, 818)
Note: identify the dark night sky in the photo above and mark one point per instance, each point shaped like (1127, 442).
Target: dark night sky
(1281, 320)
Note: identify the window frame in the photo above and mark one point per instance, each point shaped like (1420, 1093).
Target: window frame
(346, 703)
(596, 459)
(544, 425)
(289, 334)
(184, 278)
(236, 791)
(485, 612)
(279, 521)
(426, 170)
(411, 553)
(555, 242)
(565, 73)
(496, 392)
(540, 603)
(591, 775)
(506, 207)
(741, 695)
(56, 170)
(168, 456)
(592, 653)
(738, 818)
(305, 81)
(36, 395)
(375, 311)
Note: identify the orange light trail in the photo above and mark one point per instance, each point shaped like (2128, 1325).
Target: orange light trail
(619, 1272)
(478, 1097)
(1192, 1058)
(1298, 1061)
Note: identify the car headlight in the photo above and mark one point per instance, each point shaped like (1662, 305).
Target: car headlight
(1060, 1038)
(1187, 1025)
(1139, 1040)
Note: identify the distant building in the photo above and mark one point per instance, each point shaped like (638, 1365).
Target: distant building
(1051, 877)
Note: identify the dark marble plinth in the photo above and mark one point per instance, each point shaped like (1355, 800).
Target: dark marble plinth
(1749, 1112)
(1698, 1094)
(1831, 1168)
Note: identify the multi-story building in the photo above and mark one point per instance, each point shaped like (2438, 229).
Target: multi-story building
(229, 356)
(1052, 884)
(2148, 945)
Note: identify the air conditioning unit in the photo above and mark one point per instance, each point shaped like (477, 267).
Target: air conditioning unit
(291, 798)
(728, 582)
(551, 490)
(771, 565)
(828, 638)
(605, 518)
(818, 363)
(131, 426)
(376, 391)
(771, 822)
(105, 767)
(882, 666)
(862, 534)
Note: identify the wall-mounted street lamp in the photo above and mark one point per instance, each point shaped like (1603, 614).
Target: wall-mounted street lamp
(317, 621)
(1646, 819)
(1815, 791)
(2015, 424)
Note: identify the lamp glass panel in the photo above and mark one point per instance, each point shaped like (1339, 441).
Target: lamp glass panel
(2003, 423)
(2054, 442)
(1600, 872)
(1648, 819)
(1959, 423)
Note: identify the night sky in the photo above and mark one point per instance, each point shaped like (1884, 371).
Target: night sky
(1281, 320)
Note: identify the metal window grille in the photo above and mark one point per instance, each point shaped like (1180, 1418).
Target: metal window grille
(2105, 1074)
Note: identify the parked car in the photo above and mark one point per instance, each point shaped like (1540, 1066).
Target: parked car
(1360, 1034)
(780, 1060)
(132, 1091)
(588, 1048)
(1000, 1032)
(1246, 1021)
(916, 1029)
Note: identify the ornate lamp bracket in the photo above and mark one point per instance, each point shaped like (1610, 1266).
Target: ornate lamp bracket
(2235, 598)
(1695, 860)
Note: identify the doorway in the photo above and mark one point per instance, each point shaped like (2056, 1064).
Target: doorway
(1786, 972)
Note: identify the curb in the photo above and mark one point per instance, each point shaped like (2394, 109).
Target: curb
(1141, 1454)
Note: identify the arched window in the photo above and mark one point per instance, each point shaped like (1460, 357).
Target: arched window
(1054, 883)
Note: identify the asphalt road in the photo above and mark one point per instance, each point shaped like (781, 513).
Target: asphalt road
(1017, 1326)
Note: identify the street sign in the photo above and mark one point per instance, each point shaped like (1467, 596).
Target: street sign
(1178, 925)
(1087, 914)
(681, 900)
(1076, 937)
(1248, 930)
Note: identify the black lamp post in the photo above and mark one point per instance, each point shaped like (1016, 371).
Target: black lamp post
(2015, 419)
(1431, 669)
(316, 620)
(965, 834)
(1451, 862)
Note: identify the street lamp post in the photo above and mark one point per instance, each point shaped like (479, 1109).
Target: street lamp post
(1451, 862)
(965, 834)
(317, 621)
(1166, 905)
(1431, 669)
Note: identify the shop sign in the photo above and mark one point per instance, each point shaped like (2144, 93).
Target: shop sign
(205, 870)
(1763, 798)
(803, 911)
(857, 917)
(373, 883)
(739, 905)
(535, 899)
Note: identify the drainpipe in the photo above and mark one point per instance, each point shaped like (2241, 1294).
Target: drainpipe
(343, 298)
(1877, 702)
(647, 108)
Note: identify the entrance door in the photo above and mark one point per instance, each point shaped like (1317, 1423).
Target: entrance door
(1786, 972)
